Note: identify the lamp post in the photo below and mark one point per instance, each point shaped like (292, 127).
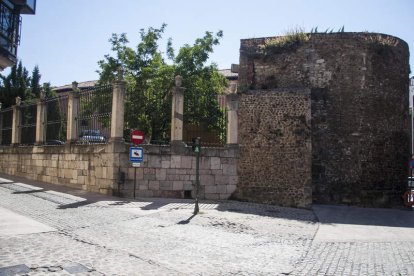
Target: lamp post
(197, 148)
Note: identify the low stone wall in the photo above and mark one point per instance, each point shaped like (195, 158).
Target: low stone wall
(170, 172)
(87, 167)
(166, 171)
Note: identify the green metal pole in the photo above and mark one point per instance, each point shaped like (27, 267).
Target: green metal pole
(197, 187)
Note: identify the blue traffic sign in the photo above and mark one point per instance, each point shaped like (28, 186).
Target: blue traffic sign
(136, 155)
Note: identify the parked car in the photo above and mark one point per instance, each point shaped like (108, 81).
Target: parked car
(54, 142)
(91, 136)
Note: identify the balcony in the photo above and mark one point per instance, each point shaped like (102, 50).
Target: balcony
(9, 34)
(25, 6)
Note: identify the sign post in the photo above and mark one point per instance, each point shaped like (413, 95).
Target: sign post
(136, 154)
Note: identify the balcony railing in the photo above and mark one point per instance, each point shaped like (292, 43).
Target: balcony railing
(9, 29)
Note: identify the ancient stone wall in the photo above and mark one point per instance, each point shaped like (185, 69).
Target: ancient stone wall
(275, 147)
(91, 167)
(165, 172)
(359, 88)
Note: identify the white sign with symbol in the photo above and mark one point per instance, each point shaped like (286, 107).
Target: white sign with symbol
(136, 155)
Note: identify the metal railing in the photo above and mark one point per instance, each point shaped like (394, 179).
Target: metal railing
(56, 120)
(10, 23)
(6, 120)
(28, 123)
(211, 129)
(94, 115)
(150, 114)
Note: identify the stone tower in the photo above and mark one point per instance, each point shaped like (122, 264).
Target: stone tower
(324, 118)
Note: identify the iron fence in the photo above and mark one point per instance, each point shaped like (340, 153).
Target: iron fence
(149, 113)
(210, 125)
(28, 123)
(94, 115)
(56, 120)
(6, 120)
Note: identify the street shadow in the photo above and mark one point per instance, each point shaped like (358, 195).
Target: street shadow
(154, 205)
(267, 210)
(187, 221)
(75, 204)
(331, 214)
(119, 203)
(28, 192)
(328, 214)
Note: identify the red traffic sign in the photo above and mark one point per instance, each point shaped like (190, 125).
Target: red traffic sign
(137, 137)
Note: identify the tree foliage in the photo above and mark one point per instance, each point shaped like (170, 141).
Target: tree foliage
(18, 83)
(149, 74)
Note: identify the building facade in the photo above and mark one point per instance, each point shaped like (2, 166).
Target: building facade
(10, 28)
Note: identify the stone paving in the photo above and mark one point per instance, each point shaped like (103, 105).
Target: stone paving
(153, 237)
(115, 236)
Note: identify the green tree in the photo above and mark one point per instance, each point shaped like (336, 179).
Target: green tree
(35, 82)
(150, 79)
(203, 82)
(18, 83)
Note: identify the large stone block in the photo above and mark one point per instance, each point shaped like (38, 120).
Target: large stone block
(154, 185)
(175, 161)
(178, 185)
(161, 174)
(186, 162)
(215, 163)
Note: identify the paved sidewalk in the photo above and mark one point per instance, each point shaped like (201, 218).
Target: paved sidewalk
(360, 241)
(99, 235)
(53, 230)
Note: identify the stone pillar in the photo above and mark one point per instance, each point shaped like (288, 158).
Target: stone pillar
(41, 120)
(118, 109)
(73, 109)
(17, 120)
(177, 111)
(232, 102)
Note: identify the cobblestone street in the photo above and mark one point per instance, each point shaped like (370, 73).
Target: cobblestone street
(74, 232)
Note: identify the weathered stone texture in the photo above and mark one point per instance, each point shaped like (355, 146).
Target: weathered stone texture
(275, 147)
(164, 173)
(171, 174)
(359, 88)
(90, 167)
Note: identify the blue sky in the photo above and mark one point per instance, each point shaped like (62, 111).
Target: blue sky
(66, 38)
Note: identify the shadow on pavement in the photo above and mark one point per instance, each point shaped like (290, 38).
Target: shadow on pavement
(187, 221)
(173, 203)
(329, 214)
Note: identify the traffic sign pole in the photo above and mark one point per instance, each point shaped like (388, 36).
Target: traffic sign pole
(135, 180)
(136, 155)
